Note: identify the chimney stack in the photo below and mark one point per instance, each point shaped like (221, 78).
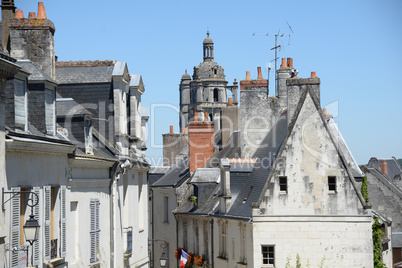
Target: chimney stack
(7, 14)
(259, 84)
(384, 166)
(226, 195)
(284, 65)
(201, 143)
(230, 103)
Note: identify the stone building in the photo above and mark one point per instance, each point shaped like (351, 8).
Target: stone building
(283, 184)
(385, 193)
(85, 164)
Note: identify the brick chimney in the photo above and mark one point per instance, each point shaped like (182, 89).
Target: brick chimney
(39, 32)
(384, 166)
(201, 143)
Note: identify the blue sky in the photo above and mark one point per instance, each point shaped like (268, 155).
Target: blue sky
(353, 46)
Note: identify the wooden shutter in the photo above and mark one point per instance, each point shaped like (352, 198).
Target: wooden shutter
(63, 242)
(36, 256)
(47, 210)
(15, 225)
(20, 103)
(50, 110)
(94, 230)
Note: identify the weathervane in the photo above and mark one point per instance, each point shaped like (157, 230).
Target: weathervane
(276, 47)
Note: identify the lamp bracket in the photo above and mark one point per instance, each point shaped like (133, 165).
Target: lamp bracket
(14, 194)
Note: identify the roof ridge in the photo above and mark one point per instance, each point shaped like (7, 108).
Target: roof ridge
(87, 63)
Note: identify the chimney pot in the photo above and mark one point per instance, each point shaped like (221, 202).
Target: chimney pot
(171, 129)
(31, 15)
(230, 102)
(290, 62)
(284, 65)
(247, 75)
(41, 11)
(324, 111)
(19, 14)
(313, 74)
(259, 73)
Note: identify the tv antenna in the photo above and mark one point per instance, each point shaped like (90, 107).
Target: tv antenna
(276, 47)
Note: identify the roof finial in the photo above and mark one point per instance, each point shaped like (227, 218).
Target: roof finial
(186, 71)
(207, 32)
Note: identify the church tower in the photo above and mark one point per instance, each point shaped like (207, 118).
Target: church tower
(205, 94)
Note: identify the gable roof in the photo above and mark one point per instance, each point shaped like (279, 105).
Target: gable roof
(309, 91)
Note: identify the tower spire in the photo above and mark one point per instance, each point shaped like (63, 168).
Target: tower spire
(208, 46)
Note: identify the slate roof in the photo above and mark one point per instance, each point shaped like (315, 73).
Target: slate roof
(266, 154)
(81, 72)
(36, 73)
(232, 149)
(396, 238)
(394, 169)
(68, 106)
(174, 177)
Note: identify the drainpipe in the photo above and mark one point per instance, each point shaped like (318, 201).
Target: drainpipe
(112, 187)
(212, 241)
(153, 228)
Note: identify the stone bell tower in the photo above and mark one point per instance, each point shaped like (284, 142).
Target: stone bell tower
(206, 92)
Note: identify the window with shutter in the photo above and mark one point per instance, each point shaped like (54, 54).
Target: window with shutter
(36, 211)
(63, 242)
(94, 230)
(50, 111)
(20, 104)
(15, 226)
(47, 211)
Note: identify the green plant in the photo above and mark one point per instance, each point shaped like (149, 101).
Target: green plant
(193, 199)
(322, 262)
(288, 262)
(298, 261)
(364, 189)
(377, 246)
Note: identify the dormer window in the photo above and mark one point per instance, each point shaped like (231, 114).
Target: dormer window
(50, 110)
(20, 104)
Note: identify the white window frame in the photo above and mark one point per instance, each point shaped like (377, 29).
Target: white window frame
(50, 105)
(20, 104)
(268, 258)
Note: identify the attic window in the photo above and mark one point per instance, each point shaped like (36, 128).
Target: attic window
(331, 184)
(50, 112)
(20, 104)
(283, 185)
(215, 71)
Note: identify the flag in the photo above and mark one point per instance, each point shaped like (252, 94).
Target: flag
(183, 259)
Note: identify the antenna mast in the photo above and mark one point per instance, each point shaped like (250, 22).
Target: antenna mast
(276, 47)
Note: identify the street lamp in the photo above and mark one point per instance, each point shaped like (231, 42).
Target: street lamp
(163, 259)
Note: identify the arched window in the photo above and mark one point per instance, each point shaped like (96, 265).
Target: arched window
(215, 94)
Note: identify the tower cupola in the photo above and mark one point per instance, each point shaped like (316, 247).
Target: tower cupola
(208, 46)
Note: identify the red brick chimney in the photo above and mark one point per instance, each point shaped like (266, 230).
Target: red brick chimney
(201, 143)
(384, 166)
(259, 83)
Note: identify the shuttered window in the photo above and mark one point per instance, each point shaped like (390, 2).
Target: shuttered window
(63, 242)
(15, 226)
(94, 230)
(36, 211)
(50, 111)
(20, 104)
(47, 214)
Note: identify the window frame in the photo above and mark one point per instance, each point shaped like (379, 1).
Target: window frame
(283, 184)
(332, 189)
(268, 258)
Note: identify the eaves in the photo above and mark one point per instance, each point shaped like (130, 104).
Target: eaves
(38, 146)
